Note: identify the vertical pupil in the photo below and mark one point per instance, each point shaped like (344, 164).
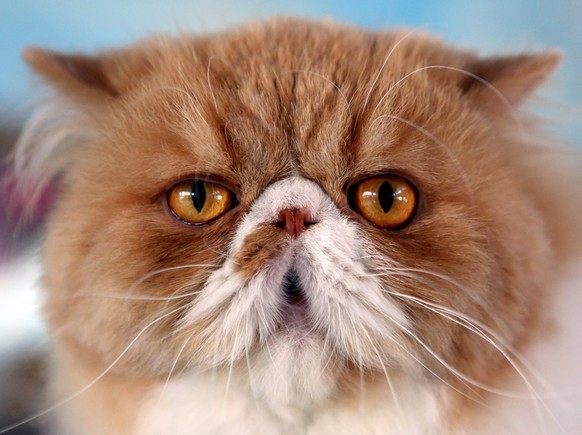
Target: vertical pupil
(385, 196)
(199, 195)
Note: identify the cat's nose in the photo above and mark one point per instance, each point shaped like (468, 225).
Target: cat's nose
(295, 220)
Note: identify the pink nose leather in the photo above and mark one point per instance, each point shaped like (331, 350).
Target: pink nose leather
(294, 220)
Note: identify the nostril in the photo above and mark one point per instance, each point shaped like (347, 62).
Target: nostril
(282, 219)
(295, 220)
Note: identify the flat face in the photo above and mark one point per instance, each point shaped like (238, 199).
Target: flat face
(307, 202)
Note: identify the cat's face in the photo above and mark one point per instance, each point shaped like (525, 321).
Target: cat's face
(291, 142)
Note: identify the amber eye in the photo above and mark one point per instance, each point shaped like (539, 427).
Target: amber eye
(198, 201)
(388, 201)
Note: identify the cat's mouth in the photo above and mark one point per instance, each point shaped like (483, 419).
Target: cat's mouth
(295, 307)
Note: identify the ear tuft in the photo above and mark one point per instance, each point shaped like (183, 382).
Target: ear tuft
(69, 72)
(516, 77)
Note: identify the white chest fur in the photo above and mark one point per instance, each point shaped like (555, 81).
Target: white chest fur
(201, 405)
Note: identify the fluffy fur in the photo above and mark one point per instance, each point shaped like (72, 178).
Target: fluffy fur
(162, 328)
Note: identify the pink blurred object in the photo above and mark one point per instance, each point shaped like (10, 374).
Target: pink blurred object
(23, 209)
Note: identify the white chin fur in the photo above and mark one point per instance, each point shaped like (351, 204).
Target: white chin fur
(348, 312)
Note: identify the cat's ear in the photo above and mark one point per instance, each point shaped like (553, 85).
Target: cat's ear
(73, 74)
(514, 78)
(81, 77)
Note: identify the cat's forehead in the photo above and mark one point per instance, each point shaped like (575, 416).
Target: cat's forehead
(327, 103)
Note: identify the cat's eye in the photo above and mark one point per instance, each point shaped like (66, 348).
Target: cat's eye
(198, 201)
(388, 201)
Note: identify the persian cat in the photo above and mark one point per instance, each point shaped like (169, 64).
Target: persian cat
(301, 228)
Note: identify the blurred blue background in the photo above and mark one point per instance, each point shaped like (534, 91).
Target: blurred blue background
(71, 25)
(490, 25)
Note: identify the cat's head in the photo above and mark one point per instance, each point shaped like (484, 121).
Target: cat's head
(309, 203)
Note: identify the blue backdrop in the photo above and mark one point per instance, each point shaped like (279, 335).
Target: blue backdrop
(489, 25)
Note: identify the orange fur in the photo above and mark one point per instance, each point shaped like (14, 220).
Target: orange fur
(253, 106)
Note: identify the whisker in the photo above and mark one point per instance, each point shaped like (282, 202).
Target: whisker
(337, 88)
(190, 97)
(137, 298)
(482, 331)
(400, 269)
(388, 56)
(248, 363)
(481, 80)
(174, 365)
(477, 328)
(394, 271)
(208, 80)
(441, 144)
(359, 359)
(230, 367)
(436, 375)
(388, 380)
(474, 322)
(460, 375)
(324, 351)
(263, 317)
(93, 382)
(140, 281)
(362, 385)
(305, 323)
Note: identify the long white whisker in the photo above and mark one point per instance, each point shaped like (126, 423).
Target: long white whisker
(432, 273)
(324, 350)
(467, 323)
(230, 367)
(247, 358)
(388, 380)
(144, 278)
(93, 382)
(209, 83)
(441, 144)
(337, 88)
(190, 97)
(263, 316)
(174, 365)
(137, 298)
(478, 327)
(481, 80)
(475, 323)
(388, 56)
(408, 272)
(436, 375)
(452, 369)
(232, 355)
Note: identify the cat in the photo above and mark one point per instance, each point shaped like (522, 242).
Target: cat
(298, 227)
